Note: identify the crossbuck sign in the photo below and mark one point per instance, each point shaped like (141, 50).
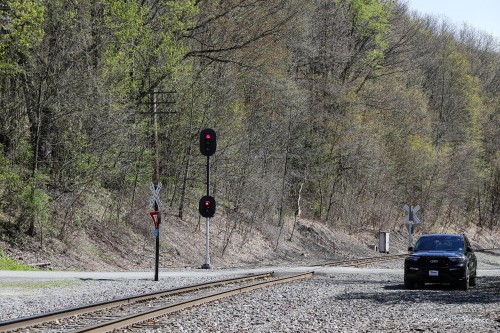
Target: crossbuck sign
(410, 220)
(156, 196)
(411, 217)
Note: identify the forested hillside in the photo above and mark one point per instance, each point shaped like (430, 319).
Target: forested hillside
(334, 110)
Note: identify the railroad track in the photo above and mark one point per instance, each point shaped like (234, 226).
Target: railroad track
(492, 249)
(357, 262)
(120, 313)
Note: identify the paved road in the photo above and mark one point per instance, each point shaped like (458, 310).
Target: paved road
(195, 273)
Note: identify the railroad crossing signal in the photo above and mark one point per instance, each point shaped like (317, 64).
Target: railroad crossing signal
(208, 142)
(411, 217)
(156, 196)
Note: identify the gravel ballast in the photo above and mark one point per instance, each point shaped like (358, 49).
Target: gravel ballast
(347, 303)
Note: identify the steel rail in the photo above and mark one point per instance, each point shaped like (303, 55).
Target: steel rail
(364, 261)
(488, 249)
(65, 313)
(151, 314)
(368, 260)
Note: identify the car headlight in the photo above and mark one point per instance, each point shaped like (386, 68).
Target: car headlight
(456, 259)
(412, 258)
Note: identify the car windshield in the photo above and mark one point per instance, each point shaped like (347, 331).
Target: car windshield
(440, 243)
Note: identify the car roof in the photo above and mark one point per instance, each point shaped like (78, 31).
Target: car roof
(442, 235)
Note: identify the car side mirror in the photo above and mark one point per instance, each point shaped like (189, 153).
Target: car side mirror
(469, 249)
(410, 249)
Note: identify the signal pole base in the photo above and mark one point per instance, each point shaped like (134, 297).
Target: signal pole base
(205, 266)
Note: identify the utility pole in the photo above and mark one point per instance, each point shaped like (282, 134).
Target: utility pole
(153, 103)
(156, 180)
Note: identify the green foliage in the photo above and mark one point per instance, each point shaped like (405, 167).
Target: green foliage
(79, 160)
(145, 41)
(25, 198)
(371, 20)
(20, 32)
(371, 17)
(356, 100)
(36, 201)
(9, 264)
(11, 185)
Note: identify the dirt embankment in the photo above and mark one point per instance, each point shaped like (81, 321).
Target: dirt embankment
(232, 244)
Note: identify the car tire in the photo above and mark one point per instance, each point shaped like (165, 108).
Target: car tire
(472, 280)
(464, 284)
(409, 284)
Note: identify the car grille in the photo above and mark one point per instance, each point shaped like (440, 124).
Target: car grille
(434, 261)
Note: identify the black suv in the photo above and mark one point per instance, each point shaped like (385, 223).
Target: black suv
(441, 258)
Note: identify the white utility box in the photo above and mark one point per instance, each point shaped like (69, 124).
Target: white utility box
(383, 242)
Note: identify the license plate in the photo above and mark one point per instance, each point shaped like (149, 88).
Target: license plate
(433, 273)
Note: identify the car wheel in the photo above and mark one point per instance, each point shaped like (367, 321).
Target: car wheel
(472, 280)
(409, 283)
(464, 284)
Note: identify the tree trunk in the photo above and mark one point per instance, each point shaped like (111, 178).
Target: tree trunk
(189, 152)
(283, 183)
(297, 212)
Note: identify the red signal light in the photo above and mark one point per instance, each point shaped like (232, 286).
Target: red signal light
(206, 206)
(208, 142)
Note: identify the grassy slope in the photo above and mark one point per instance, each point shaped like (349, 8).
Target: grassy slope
(9, 264)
